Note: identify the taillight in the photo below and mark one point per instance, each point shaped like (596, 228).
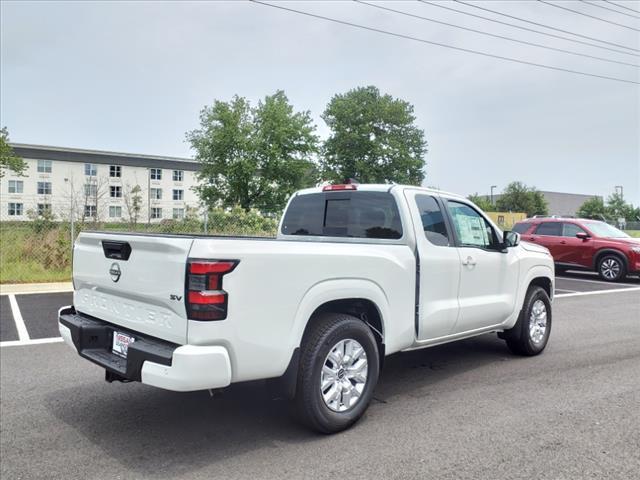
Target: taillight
(205, 298)
(333, 188)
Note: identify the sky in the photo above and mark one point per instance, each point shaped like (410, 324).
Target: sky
(133, 77)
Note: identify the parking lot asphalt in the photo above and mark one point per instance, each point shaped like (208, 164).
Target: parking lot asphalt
(463, 410)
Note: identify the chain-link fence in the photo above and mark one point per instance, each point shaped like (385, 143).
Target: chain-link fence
(37, 248)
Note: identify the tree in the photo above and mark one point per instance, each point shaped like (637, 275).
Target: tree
(517, 197)
(373, 139)
(482, 201)
(253, 157)
(618, 208)
(593, 208)
(8, 159)
(133, 203)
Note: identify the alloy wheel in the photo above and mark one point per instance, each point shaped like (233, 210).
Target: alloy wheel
(344, 375)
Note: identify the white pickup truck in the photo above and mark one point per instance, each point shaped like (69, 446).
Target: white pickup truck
(356, 273)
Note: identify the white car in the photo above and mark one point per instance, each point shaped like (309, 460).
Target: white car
(356, 273)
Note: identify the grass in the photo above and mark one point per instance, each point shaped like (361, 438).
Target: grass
(633, 233)
(40, 253)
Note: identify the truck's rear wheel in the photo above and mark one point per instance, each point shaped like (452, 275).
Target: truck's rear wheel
(530, 334)
(339, 369)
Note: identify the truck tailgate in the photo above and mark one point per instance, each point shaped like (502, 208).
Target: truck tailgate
(135, 281)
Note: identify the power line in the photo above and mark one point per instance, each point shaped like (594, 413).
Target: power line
(622, 6)
(527, 28)
(461, 49)
(597, 4)
(543, 25)
(511, 39)
(587, 15)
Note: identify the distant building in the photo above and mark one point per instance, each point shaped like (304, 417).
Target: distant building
(566, 204)
(97, 185)
(506, 219)
(560, 203)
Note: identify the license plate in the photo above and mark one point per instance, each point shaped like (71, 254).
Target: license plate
(121, 343)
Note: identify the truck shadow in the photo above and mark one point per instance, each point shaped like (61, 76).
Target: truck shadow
(165, 434)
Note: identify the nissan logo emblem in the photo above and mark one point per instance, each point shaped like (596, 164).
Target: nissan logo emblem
(115, 272)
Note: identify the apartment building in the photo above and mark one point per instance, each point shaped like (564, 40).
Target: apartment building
(98, 185)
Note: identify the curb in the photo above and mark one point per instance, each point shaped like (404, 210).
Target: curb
(23, 288)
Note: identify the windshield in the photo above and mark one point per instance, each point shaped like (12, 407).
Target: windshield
(602, 229)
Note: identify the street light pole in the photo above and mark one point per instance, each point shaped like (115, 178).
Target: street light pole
(492, 187)
(621, 190)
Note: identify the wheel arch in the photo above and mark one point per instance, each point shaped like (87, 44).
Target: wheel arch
(361, 298)
(609, 251)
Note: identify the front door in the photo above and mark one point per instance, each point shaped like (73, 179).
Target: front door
(489, 276)
(439, 267)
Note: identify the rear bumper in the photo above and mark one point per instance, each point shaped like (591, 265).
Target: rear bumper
(149, 360)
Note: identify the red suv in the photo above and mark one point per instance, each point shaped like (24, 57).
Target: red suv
(584, 244)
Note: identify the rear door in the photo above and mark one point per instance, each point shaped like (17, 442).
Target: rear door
(134, 281)
(549, 234)
(439, 266)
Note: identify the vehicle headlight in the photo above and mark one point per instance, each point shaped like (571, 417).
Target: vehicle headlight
(635, 249)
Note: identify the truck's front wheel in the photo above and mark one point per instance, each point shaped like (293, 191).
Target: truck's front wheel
(530, 334)
(338, 372)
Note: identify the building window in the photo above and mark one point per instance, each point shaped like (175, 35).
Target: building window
(115, 171)
(90, 169)
(115, 211)
(156, 173)
(90, 211)
(44, 208)
(15, 209)
(156, 194)
(44, 188)
(178, 213)
(115, 191)
(44, 166)
(90, 190)
(16, 186)
(156, 212)
(178, 175)
(178, 194)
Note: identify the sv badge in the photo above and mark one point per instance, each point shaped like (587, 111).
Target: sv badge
(175, 297)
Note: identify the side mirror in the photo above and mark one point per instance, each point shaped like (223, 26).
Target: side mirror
(511, 239)
(582, 236)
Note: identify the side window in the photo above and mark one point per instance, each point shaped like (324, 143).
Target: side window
(471, 227)
(553, 229)
(570, 230)
(520, 227)
(432, 220)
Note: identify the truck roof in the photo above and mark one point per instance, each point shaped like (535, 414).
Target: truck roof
(383, 187)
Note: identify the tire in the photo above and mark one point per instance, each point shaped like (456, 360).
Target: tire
(335, 405)
(611, 268)
(524, 338)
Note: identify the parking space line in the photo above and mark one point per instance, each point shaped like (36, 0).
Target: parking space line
(601, 282)
(37, 341)
(23, 335)
(598, 292)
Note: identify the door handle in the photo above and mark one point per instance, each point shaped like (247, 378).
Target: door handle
(469, 261)
(563, 242)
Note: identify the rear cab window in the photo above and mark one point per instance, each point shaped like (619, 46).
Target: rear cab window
(353, 214)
